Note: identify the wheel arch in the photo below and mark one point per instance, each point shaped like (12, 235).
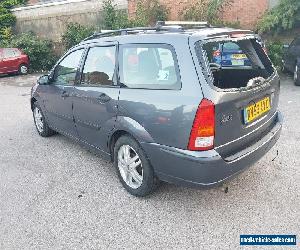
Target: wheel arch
(113, 139)
(130, 127)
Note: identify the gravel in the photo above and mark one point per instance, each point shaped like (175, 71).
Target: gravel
(54, 194)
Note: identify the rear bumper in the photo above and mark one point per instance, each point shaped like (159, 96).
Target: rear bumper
(190, 168)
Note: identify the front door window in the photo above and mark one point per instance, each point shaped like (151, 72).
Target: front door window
(66, 70)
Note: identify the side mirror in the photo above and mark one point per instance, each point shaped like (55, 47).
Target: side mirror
(43, 80)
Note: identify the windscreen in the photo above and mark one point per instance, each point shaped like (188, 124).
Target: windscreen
(234, 63)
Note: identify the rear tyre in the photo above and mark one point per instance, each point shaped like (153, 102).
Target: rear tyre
(40, 122)
(297, 75)
(133, 168)
(23, 69)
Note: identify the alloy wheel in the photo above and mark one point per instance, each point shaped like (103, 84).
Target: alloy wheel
(296, 73)
(24, 69)
(130, 166)
(38, 119)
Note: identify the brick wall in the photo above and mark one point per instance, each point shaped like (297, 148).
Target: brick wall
(247, 12)
(33, 1)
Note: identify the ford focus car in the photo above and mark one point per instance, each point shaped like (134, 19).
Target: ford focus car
(154, 102)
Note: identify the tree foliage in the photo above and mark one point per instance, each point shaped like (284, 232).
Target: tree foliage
(148, 12)
(114, 18)
(75, 33)
(7, 19)
(206, 10)
(275, 52)
(285, 16)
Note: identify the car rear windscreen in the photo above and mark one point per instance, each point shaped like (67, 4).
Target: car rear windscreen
(234, 63)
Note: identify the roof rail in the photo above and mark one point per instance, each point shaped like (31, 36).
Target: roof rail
(175, 26)
(107, 33)
(182, 23)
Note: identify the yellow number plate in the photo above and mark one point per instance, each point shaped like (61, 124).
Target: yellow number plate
(239, 56)
(257, 109)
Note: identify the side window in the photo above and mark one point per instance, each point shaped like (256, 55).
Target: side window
(297, 42)
(99, 66)
(9, 53)
(65, 71)
(152, 66)
(17, 52)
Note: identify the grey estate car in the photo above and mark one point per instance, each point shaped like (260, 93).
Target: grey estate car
(155, 102)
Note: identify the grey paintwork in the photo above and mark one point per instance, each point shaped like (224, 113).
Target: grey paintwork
(161, 120)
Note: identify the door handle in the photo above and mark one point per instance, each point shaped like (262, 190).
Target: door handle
(65, 94)
(103, 98)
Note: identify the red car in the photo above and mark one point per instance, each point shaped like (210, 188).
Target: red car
(13, 60)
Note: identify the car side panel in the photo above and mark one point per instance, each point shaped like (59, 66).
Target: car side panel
(166, 116)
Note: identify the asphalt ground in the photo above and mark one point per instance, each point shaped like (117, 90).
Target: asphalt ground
(54, 194)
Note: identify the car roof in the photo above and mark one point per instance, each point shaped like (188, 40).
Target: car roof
(161, 36)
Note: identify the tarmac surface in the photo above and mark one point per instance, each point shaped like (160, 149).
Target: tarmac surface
(54, 194)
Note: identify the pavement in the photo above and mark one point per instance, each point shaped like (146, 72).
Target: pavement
(54, 194)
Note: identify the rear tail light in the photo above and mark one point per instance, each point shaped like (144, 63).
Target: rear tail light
(217, 53)
(203, 131)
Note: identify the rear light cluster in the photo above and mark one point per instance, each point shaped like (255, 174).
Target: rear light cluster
(203, 131)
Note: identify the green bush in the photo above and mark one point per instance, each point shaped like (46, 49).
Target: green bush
(206, 10)
(148, 13)
(113, 17)
(7, 19)
(284, 16)
(275, 52)
(40, 51)
(75, 33)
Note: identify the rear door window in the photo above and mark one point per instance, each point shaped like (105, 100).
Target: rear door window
(149, 66)
(99, 67)
(234, 64)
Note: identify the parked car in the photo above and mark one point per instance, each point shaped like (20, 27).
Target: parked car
(152, 101)
(291, 59)
(229, 54)
(13, 60)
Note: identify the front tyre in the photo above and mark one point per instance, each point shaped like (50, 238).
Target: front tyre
(133, 168)
(23, 69)
(40, 122)
(297, 75)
